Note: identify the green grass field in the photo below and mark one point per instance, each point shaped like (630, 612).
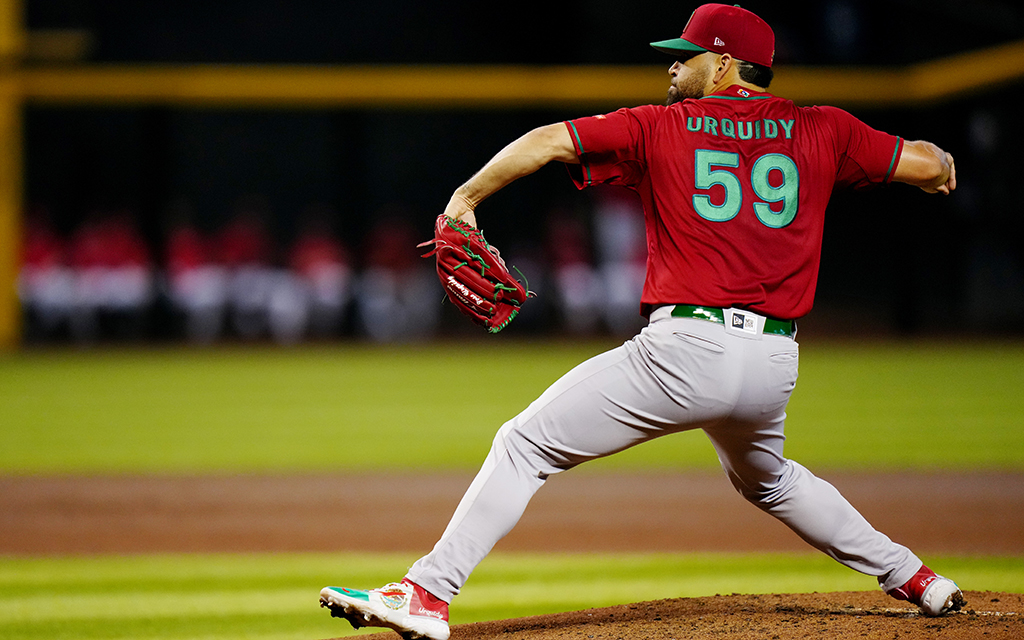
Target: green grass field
(359, 407)
(274, 597)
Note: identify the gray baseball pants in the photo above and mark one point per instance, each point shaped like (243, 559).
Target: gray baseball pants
(677, 374)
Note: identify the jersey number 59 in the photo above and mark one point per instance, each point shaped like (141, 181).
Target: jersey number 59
(785, 176)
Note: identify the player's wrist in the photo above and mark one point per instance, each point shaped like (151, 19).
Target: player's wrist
(461, 207)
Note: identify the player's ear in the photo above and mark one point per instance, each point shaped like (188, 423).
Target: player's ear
(722, 67)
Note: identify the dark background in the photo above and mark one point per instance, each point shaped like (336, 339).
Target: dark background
(895, 261)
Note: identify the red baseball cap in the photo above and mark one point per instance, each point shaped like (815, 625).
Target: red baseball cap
(722, 28)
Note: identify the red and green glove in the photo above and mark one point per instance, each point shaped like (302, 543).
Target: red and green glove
(474, 275)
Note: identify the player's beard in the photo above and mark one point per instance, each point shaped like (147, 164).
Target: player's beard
(692, 86)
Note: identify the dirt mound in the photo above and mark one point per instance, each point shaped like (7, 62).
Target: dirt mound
(837, 616)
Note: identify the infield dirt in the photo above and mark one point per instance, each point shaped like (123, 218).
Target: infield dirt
(838, 616)
(934, 513)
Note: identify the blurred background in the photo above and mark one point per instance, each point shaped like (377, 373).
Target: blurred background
(282, 200)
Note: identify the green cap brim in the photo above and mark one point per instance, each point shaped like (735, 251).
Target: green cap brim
(677, 45)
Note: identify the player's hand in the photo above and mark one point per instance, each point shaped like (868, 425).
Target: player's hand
(925, 165)
(950, 184)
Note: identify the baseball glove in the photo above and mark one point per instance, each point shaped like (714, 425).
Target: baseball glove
(473, 274)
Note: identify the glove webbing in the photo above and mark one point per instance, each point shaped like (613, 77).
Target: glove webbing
(504, 324)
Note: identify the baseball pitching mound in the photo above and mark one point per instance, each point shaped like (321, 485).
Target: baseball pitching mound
(837, 616)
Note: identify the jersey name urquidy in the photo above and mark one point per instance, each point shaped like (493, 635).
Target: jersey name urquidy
(741, 129)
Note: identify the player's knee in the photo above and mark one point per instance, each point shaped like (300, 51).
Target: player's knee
(761, 491)
(528, 451)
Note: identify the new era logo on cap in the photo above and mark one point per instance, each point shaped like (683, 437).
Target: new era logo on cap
(719, 42)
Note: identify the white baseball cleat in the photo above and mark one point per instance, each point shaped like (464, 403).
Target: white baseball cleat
(934, 594)
(403, 606)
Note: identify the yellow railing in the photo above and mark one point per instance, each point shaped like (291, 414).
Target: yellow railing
(501, 87)
(587, 88)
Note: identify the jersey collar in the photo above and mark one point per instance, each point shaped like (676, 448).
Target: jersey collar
(738, 92)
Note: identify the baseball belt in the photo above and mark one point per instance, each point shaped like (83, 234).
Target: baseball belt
(772, 326)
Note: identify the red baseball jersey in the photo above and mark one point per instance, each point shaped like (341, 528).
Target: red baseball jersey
(734, 187)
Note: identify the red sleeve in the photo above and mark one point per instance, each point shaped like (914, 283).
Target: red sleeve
(610, 148)
(867, 157)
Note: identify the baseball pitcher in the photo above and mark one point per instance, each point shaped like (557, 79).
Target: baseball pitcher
(734, 183)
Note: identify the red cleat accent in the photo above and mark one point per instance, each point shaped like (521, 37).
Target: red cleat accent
(933, 593)
(425, 603)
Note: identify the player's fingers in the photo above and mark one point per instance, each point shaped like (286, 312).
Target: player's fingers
(951, 183)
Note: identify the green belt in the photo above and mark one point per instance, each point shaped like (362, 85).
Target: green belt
(772, 326)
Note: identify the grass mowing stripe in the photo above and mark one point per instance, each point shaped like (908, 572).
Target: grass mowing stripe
(353, 407)
(247, 626)
(274, 596)
(181, 410)
(123, 605)
(184, 573)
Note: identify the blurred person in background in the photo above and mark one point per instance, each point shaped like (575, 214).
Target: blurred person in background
(577, 287)
(245, 249)
(196, 282)
(114, 277)
(320, 282)
(397, 291)
(46, 284)
(621, 242)
(529, 256)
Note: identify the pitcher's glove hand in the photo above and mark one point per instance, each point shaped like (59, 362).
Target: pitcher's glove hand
(474, 275)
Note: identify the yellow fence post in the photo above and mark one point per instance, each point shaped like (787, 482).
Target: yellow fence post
(12, 42)
(10, 212)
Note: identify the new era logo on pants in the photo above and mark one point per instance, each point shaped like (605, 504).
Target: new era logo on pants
(744, 322)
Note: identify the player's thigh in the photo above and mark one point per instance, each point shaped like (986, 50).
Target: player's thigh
(651, 386)
(750, 452)
(750, 442)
